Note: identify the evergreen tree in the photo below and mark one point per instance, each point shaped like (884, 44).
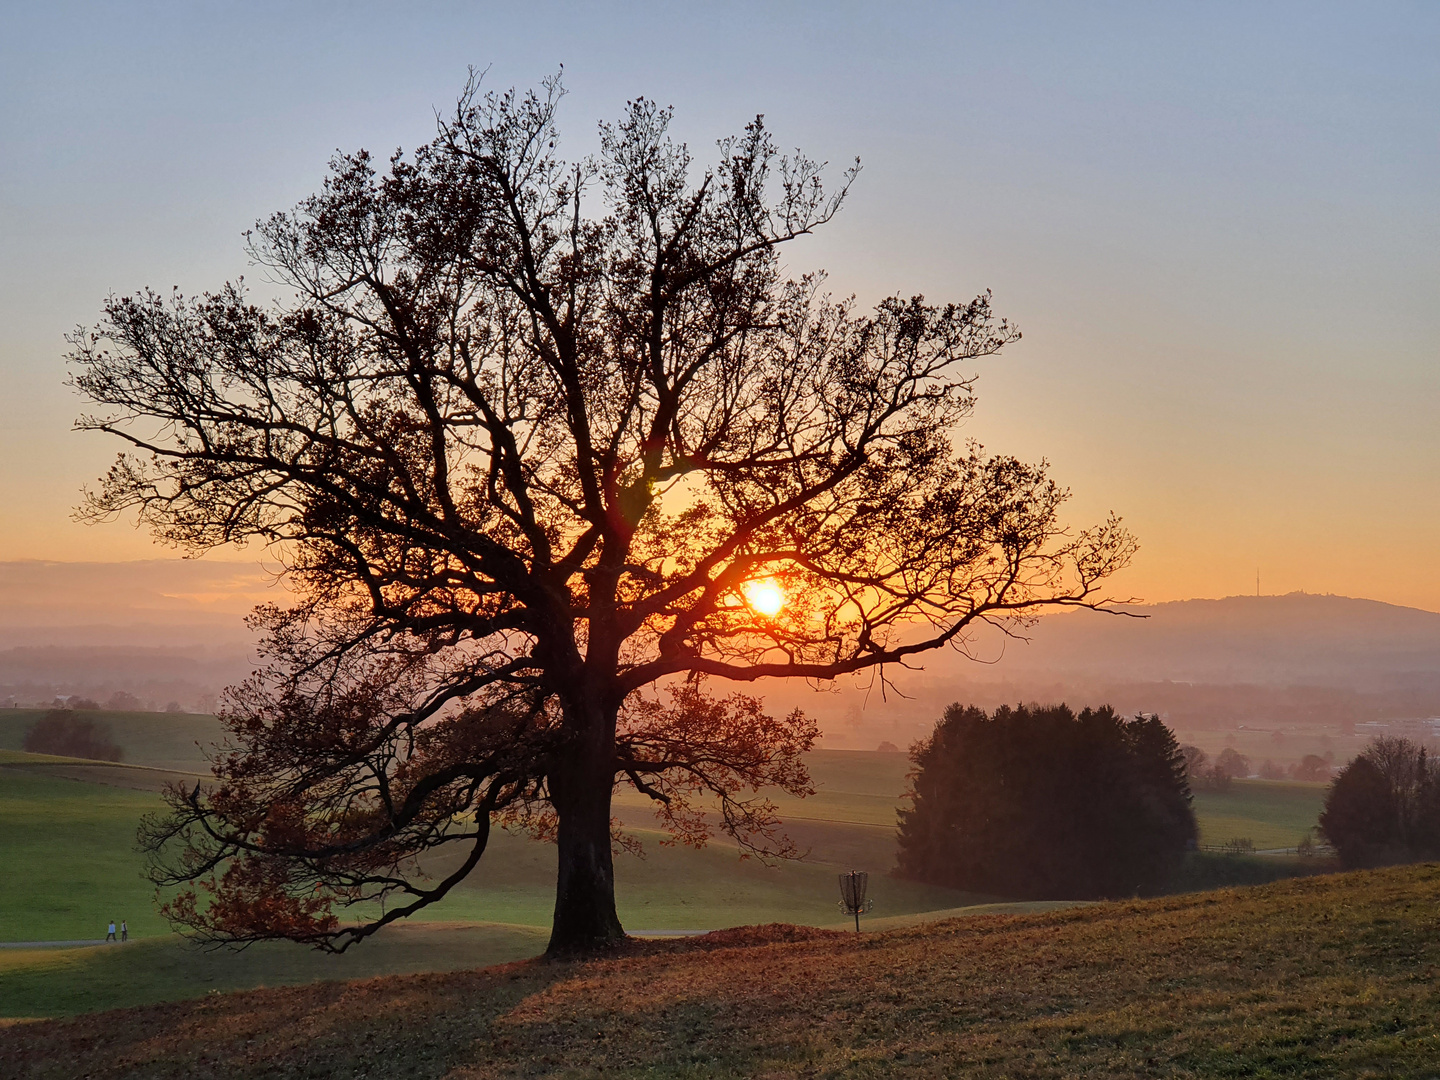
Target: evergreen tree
(1041, 803)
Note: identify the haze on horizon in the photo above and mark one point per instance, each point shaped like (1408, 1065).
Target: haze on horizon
(1216, 227)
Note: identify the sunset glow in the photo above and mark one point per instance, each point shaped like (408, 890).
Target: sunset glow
(760, 438)
(765, 597)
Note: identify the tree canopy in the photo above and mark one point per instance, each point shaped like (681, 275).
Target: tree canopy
(1040, 803)
(61, 732)
(548, 450)
(1384, 806)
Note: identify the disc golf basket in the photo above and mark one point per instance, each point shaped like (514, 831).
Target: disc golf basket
(852, 895)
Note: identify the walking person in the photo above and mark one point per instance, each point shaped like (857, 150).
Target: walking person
(111, 935)
(124, 930)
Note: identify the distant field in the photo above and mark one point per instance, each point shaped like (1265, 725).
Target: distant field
(854, 788)
(864, 786)
(1282, 747)
(160, 740)
(42, 762)
(1272, 813)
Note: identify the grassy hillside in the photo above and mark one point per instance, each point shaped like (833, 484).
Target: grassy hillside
(63, 982)
(68, 865)
(72, 865)
(1318, 977)
(172, 741)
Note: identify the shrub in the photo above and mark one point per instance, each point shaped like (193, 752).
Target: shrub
(62, 732)
(1041, 803)
(1218, 870)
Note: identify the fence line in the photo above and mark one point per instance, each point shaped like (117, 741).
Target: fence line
(1246, 848)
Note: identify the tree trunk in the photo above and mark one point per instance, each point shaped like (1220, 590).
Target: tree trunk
(585, 918)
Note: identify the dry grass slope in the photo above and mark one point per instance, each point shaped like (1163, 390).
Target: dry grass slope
(1331, 976)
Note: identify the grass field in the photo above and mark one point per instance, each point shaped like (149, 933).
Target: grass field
(63, 982)
(72, 867)
(73, 861)
(173, 741)
(68, 866)
(1272, 813)
(1316, 977)
(68, 863)
(853, 788)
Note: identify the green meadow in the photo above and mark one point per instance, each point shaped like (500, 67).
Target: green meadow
(68, 865)
(169, 741)
(1272, 813)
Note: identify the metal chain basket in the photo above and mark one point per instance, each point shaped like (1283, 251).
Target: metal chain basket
(853, 900)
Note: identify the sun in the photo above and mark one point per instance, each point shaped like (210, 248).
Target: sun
(765, 597)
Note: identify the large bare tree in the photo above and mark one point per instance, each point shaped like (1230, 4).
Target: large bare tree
(549, 451)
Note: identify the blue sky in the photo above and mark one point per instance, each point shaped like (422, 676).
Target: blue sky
(1217, 224)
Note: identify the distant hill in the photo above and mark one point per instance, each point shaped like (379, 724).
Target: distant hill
(159, 630)
(1297, 660)
(1295, 640)
(152, 677)
(170, 629)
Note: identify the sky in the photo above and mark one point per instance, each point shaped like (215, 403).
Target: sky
(1216, 225)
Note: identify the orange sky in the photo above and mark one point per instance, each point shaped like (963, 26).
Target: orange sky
(1216, 226)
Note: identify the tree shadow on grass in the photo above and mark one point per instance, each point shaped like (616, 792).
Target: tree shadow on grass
(397, 1027)
(47, 983)
(424, 1025)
